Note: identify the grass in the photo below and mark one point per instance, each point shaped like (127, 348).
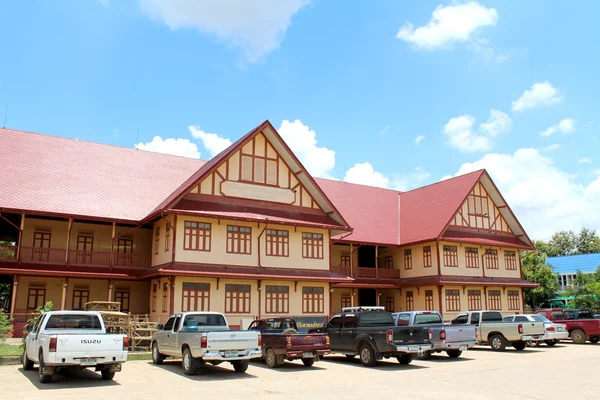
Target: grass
(139, 356)
(7, 350)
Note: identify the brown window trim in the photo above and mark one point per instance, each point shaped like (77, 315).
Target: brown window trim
(254, 159)
(474, 300)
(81, 295)
(197, 236)
(238, 298)
(388, 262)
(513, 299)
(389, 304)
(239, 239)
(346, 300)
(313, 300)
(167, 238)
(345, 261)
(427, 257)
(277, 299)
(495, 300)
(37, 293)
(510, 260)
(408, 259)
(429, 300)
(452, 300)
(278, 243)
(156, 240)
(450, 256)
(312, 245)
(491, 259)
(124, 297)
(165, 298)
(410, 301)
(472, 257)
(195, 296)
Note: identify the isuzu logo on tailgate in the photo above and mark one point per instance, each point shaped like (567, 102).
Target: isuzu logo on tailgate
(91, 341)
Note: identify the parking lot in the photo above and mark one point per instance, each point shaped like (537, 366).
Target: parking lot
(564, 372)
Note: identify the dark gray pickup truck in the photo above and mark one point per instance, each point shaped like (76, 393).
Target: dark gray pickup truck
(372, 335)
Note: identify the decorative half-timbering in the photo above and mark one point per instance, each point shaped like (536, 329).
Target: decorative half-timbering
(480, 212)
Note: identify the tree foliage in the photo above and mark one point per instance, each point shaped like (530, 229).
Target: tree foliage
(566, 243)
(536, 270)
(4, 325)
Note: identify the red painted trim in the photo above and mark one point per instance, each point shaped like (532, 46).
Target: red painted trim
(461, 204)
(242, 237)
(67, 216)
(172, 293)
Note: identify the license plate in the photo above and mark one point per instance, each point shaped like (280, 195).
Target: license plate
(88, 361)
(307, 354)
(413, 348)
(560, 329)
(462, 348)
(231, 353)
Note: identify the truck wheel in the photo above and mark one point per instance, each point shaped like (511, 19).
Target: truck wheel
(157, 358)
(550, 342)
(241, 366)
(27, 363)
(188, 363)
(404, 359)
(308, 362)
(271, 359)
(43, 378)
(350, 356)
(424, 355)
(520, 345)
(289, 331)
(578, 336)
(594, 339)
(497, 342)
(453, 353)
(367, 355)
(107, 374)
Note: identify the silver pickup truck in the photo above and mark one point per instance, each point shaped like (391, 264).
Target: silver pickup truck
(451, 339)
(201, 337)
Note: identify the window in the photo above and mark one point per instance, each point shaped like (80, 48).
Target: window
(41, 243)
(196, 297)
(475, 318)
(494, 300)
(513, 300)
(472, 257)
(85, 245)
(452, 300)
(165, 298)
(122, 295)
(389, 304)
(36, 296)
(410, 301)
(239, 239)
(460, 320)
(427, 256)
(474, 300)
(278, 243)
(335, 322)
(408, 259)
(74, 321)
(389, 262)
(429, 300)
(510, 260)
(521, 318)
(124, 251)
(196, 236)
(277, 299)
(81, 295)
(313, 299)
(156, 240)
(491, 259)
(167, 237)
(237, 299)
(450, 256)
(403, 320)
(345, 260)
(346, 300)
(349, 320)
(169, 324)
(154, 294)
(259, 164)
(312, 245)
(428, 318)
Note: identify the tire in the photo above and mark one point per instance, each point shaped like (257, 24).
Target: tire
(308, 362)
(426, 355)
(188, 362)
(550, 342)
(453, 353)
(108, 375)
(367, 355)
(289, 331)
(405, 359)
(520, 345)
(241, 366)
(498, 342)
(578, 336)
(271, 359)
(43, 378)
(27, 363)
(157, 358)
(350, 356)
(594, 339)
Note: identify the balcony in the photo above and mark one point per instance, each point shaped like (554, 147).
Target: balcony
(361, 272)
(76, 257)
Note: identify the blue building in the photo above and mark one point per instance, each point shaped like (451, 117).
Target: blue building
(566, 267)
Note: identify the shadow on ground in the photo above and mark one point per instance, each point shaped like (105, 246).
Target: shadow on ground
(70, 378)
(210, 372)
(390, 364)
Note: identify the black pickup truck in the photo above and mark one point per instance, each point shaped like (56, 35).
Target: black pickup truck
(372, 335)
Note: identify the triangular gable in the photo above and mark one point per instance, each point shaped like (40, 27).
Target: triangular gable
(259, 166)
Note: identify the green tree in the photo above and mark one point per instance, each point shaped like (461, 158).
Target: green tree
(563, 243)
(536, 270)
(582, 290)
(587, 242)
(4, 325)
(38, 312)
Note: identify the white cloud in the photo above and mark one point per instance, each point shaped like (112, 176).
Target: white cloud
(565, 126)
(255, 26)
(497, 124)
(419, 139)
(448, 24)
(319, 161)
(410, 180)
(551, 147)
(543, 197)
(541, 94)
(176, 147)
(364, 174)
(462, 136)
(585, 160)
(211, 141)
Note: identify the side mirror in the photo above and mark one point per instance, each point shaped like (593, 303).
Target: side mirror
(27, 329)
(160, 327)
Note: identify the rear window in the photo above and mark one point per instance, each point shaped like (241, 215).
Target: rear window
(278, 326)
(585, 314)
(196, 320)
(74, 321)
(490, 316)
(558, 315)
(376, 318)
(421, 319)
(538, 318)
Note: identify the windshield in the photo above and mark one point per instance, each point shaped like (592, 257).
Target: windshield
(376, 318)
(428, 319)
(196, 320)
(74, 321)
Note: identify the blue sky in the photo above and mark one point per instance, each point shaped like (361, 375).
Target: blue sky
(478, 81)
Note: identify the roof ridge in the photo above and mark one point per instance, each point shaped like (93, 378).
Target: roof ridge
(479, 171)
(360, 184)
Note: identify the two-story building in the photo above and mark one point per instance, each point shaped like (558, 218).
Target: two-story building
(249, 233)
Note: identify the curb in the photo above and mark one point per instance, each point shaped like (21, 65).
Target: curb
(10, 360)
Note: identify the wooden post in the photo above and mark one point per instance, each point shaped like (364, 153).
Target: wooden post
(377, 263)
(68, 241)
(352, 266)
(352, 297)
(112, 244)
(63, 299)
(378, 295)
(110, 290)
(172, 294)
(13, 300)
(18, 255)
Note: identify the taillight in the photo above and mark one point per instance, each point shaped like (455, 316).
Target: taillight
(204, 342)
(327, 341)
(390, 336)
(52, 345)
(550, 329)
(443, 334)
(259, 340)
(125, 343)
(288, 341)
(520, 329)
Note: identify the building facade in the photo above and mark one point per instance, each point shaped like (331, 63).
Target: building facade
(249, 233)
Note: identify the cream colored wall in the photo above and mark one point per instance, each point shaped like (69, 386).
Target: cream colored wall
(219, 255)
(53, 291)
(464, 299)
(336, 299)
(98, 290)
(336, 254)
(58, 238)
(102, 235)
(163, 256)
(462, 269)
(418, 268)
(418, 298)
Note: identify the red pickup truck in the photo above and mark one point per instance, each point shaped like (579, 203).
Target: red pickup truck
(281, 341)
(580, 330)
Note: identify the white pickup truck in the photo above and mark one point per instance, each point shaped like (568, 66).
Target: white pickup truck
(63, 339)
(201, 337)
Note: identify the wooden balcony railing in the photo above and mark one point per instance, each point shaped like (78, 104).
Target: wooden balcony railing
(362, 272)
(42, 254)
(342, 270)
